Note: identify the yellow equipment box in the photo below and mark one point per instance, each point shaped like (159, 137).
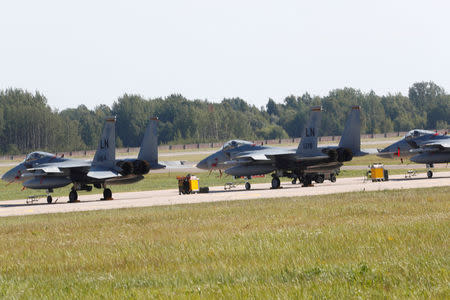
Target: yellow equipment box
(378, 173)
(193, 184)
(188, 184)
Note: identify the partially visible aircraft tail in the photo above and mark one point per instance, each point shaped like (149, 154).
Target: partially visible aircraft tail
(308, 143)
(106, 151)
(149, 146)
(351, 137)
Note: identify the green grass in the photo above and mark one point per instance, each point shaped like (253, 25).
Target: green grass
(390, 244)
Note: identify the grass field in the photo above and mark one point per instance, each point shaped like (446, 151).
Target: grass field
(358, 245)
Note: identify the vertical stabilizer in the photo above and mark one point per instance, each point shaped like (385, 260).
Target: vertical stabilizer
(351, 137)
(308, 143)
(106, 151)
(149, 145)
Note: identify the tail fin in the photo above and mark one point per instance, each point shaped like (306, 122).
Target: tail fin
(106, 152)
(351, 137)
(308, 143)
(149, 146)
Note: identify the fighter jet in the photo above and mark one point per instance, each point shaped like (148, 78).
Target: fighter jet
(422, 146)
(42, 170)
(306, 163)
(401, 148)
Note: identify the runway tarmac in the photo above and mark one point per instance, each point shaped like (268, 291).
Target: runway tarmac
(258, 191)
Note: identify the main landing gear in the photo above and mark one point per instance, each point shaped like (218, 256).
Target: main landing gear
(275, 182)
(429, 172)
(107, 194)
(73, 195)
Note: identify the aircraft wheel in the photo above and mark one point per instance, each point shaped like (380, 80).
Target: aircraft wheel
(49, 199)
(430, 174)
(320, 178)
(89, 188)
(275, 183)
(294, 181)
(107, 194)
(332, 177)
(73, 196)
(248, 186)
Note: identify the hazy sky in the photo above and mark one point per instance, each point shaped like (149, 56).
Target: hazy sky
(92, 52)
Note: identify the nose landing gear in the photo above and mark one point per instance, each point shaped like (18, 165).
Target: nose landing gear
(49, 196)
(107, 194)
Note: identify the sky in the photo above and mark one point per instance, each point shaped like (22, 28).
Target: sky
(92, 52)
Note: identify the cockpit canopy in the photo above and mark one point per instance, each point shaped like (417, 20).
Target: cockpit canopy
(234, 144)
(37, 155)
(417, 133)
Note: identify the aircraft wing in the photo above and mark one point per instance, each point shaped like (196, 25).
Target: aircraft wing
(252, 157)
(59, 167)
(46, 169)
(263, 154)
(102, 173)
(266, 155)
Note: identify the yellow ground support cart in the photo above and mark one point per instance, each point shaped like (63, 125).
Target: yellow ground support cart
(377, 172)
(188, 184)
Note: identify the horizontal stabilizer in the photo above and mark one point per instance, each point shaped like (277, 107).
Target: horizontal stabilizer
(157, 166)
(102, 173)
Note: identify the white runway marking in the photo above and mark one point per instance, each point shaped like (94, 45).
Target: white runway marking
(171, 197)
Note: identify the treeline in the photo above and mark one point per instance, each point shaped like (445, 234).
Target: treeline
(28, 123)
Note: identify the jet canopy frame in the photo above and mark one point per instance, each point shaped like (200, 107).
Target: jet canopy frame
(234, 144)
(36, 155)
(417, 133)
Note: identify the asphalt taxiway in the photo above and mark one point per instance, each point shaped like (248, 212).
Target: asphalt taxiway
(258, 191)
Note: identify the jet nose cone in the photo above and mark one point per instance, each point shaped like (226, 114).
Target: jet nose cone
(203, 164)
(8, 176)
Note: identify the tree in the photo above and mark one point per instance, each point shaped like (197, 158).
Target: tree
(272, 107)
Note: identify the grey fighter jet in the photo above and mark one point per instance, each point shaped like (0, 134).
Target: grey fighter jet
(421, 146)
(306, 163)
(42, 170)
(401, 148)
